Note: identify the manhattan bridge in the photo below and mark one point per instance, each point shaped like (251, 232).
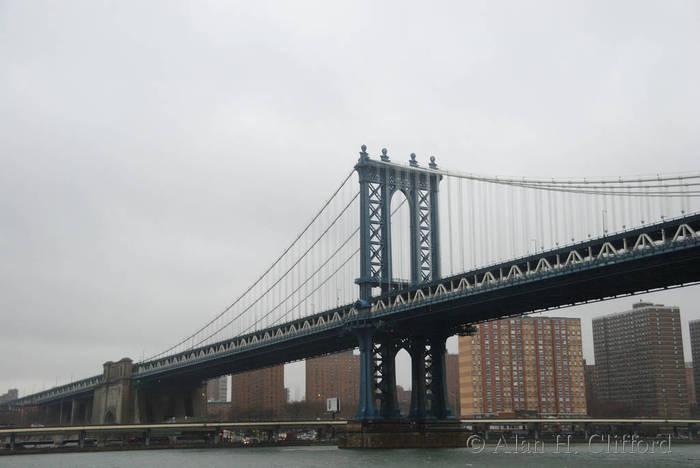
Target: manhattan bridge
(403, 256)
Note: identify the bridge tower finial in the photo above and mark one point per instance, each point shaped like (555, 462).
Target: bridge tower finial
(385, 157)
(363, 154)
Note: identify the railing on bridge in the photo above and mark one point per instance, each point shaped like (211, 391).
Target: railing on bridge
(63, 391)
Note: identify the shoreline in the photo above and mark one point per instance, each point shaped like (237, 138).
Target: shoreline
(225, 445)
(135, 447)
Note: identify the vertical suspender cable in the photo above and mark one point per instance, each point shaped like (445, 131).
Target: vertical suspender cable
(523, 219)
(489, 225)
(460, 210)
(511, 217)
(485, 222)
(550, 218)
(613, 211)
(629, 216)
(662, 197)
(540, 219)
(650, 213)
(596, 217)
(570, 216)
(449, 221)
(473, 223)
(681, 199)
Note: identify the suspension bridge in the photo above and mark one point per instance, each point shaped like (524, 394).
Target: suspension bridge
(402, 256)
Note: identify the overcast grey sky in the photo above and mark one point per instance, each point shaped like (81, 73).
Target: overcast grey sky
(156, 156)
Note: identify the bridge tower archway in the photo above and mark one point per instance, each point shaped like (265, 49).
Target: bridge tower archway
(400, 242)
(379, 180)
(404, 373)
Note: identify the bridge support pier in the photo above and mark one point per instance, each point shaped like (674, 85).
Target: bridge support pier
(428, 377)
(367, 408)
(53, 415)
(112, 398)
(377, 375)
(74, 408)
(402, 433)
(118, 400)
(385, 368)
(167, 401)
(437, 386)
(416, 349)
(429, 423)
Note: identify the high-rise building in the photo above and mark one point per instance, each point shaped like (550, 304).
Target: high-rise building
(690, 385)
(334, 375)
(452, 380)
(259, 393)
(639, 361)
(404, 398)
(591, 386)
(522, 366)
(695, 351)
(217, 389)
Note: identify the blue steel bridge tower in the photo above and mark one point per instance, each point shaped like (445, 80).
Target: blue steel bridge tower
(379, 343)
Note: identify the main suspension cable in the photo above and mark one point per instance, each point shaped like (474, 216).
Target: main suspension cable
(260, 278)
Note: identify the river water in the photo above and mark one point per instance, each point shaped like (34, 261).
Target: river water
(328, 456)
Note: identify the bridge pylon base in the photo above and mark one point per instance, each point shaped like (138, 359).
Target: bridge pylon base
(405, 433)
